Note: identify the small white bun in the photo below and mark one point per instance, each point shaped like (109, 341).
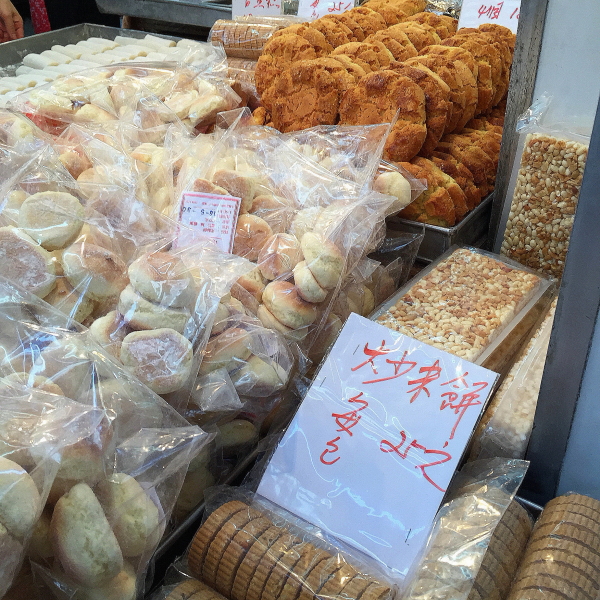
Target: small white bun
(160, 358)
(236, 436)
(221, 319)
(251, 234)
(237, 185)
(20, 501)
(75, 162)
(259, 378)
(121, 587)
(276, 211)
(323, 258)
(134, 517)
(100, 273)
(140, 314)
(361, 299)
(394, 184)
(90, 113)
(34, 381)
(305, 221)
(24, 261)
(278, 257)
(270, 322)
(205, 109)
(308, 286)
(254, 283)
(83, 540)
(285, 303)
(228, 350)
(163, 278)
(109, 332)
(192, 491)
(203, 186)
(40, 544)
(69, 301)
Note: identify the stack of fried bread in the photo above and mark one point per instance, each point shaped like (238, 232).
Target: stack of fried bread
(388, 60)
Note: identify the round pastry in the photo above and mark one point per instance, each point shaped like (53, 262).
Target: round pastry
(75, 162)
(69, 301)
(134, 517)
(269, 321)
(305, 220)
(10, 558)
(121, 587)
(259, 378)
(398, 44)
(221, 319)
(228, 350)
(335, 32)
(307, 285)
(278, 257)
(323, 259)
(83, 540)
(310, 34)
(160, 358)
(90, 113)
(251, 233)
(20, 500)
(284, 302)
(360, 299)
(236, 436)
(238, 185)
(141, 314)
(100, 272)
(163, 278)
(254, 283)
(34, 381)
(395, 184)
(109, 332)
(22, 260)
(53, 219)
(206, 187)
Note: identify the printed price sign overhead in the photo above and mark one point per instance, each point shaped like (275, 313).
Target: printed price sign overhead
(208, 216)
(256, 8)
(315, 9)
(376, 441)
(475, 12)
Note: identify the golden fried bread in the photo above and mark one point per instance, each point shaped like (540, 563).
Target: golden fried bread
(369, 20)
(444, 26)
(335, 33)
(397, 49)
(305, 95)
(437, 103)
(449, 165)
(421, 35)
(310, 34)
(377, 98)
(358, 34)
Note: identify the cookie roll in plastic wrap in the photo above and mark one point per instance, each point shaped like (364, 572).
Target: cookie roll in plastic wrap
(478, 536)
(507, 423)
(114, 490)
(248, 549)
(36, 424)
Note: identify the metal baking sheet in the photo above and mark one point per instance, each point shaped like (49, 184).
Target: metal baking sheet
(13, 52)
(187, 12)
(438, 240)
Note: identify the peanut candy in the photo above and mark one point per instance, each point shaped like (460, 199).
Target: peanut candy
(544, 202)
(463, 304)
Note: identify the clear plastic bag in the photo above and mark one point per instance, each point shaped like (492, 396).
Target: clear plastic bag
(507, 423)
(398, 182)
(480, 525)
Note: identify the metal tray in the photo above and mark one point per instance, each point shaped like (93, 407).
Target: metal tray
(437, 240)
(187, 12)
(13, 52)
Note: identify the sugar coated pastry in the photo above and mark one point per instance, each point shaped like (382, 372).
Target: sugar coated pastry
(323, 258)
(24, 261)
(98, 271)
(83, 540)
(134, 516)
(141, 314)
(308, 286)
(251, 233)
(279, 255)
(163, 278)
(160, 358)
(283, 301)
(20, 500)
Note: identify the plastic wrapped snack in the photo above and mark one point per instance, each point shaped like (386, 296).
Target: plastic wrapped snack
(36, 424)
(260, 551)
(396, 181)
(560, 559)
(466, 303)
(507, 423)
(114, 490)
(478, 536)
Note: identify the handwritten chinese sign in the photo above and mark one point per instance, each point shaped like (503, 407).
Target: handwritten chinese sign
(315, 9)
(375, 443)
(255, 8)
(475, 12)
(208, 216)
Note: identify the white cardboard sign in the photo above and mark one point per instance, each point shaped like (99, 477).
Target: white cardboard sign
(208, 216)
(376, 441)
(315, 9)
(256, 8)
(475, 12)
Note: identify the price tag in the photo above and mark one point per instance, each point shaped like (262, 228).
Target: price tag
(376, 441)
(475, 12)
(315, 9)
(208, 216)
(256, 8)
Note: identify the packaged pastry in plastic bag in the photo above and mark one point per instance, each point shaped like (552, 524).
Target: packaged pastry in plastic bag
(395, 180)
(36, 424)
(115, 489)
(478, 537)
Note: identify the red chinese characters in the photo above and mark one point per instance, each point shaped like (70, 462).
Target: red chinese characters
(467, 399)
(492, 11)
(515, 14)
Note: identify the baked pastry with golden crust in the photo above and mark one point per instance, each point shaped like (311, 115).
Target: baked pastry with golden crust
(369, 20)
(410, 7)
(351, 67)
(420, 34)
(443, 25)
(335, 32)
(449, 165)
(401, 49)
(358, 33)
(390, 13)
(484, 124)
(500, 31)
(377, 98)
(313, 36)
(375, 55)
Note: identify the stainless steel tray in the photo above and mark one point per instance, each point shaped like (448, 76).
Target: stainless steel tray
(12, 53)
(187, 12)
(437, 240)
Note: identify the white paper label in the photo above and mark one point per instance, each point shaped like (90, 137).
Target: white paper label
(208, 216)
(377, 439)
(257, 8)
(475, 12)
(315, 9)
